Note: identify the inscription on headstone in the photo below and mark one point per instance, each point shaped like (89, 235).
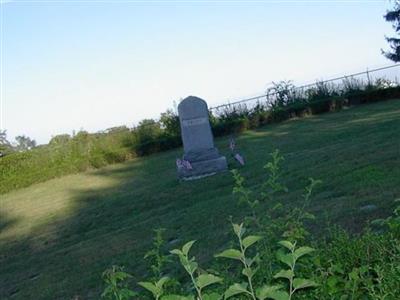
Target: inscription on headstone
(194, 122)
(198, 142)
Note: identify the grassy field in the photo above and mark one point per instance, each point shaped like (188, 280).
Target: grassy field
(57, 237)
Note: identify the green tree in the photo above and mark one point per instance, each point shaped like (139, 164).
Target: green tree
(393, 16)
(24, 143)
(170, 123)
(5, 145)
(147, 135)
(148, 130)
(60, 139)
(117, 129)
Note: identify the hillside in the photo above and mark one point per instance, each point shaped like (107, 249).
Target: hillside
(57, 237)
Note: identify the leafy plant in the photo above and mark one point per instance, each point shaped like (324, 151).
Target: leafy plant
(199, 281)
(244, 196)
(290, 259)
(273, 185)
(250, 267)
(156, 288)
(156, 257)
(270, 187)
(116, 288)
(282, 93)
(295, 229)
(392, 222)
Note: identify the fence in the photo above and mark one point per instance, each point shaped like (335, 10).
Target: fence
(388, 75)
(361, 79)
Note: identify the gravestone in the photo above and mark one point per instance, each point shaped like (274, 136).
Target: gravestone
(198, 141)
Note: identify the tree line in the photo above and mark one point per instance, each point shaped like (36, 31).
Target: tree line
(22, 143)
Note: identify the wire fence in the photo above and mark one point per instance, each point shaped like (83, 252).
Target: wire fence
(389, 75)
(361, 79)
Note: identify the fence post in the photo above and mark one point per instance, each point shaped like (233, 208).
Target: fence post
(369, 79)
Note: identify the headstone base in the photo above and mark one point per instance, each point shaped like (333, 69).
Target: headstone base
(203, 168)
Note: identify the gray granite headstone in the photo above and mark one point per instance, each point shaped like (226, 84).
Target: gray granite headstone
(198, 141)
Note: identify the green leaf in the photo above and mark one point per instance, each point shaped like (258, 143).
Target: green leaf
(236, 289)
(378, 222)
(186, 247)
(161, 282)
(176, 252)
(280, 295)
(277, 206)
(191, 266)
(230, 253)
(338, 268)
(309, 216)
(150, 287)
(332, 281)
(287, 259)
(302, 251)
(353, 275)
(126, 293)
(288, 274)
(271, 292)
(250, 240)
(206, 279)
(212, 296)
(238, 229)
(248, 272)
(287, 245)
(301, 283)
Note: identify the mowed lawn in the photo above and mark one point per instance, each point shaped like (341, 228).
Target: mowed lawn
(57, 237)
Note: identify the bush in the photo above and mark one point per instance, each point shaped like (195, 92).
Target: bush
(282, 94)
(170, 123)
(279, 114)
(230, 119)
(374, 95)
(61, 157)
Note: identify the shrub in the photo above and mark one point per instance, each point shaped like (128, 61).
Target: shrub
(61, 139)
(282, 94)
(147, 134)
(170, 124)
(230, 119)
(259, 115)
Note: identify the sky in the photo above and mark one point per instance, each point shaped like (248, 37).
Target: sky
(92, 65)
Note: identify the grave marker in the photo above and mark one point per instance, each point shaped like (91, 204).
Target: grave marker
(198, 141)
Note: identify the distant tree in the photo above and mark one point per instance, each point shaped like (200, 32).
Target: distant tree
(60, 139)
(3, 137)
(393, 16)
(117, 129)
(170, 123)
(81, 135)
(5, 145)
(24, 143)
(147, 134)
(148, 129)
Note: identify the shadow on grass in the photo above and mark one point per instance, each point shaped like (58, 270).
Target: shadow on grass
(6, 221)
(65, 257)
(353, 153)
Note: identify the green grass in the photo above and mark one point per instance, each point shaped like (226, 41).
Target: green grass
(57, 237)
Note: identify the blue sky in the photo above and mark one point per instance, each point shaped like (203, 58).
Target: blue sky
(69, 65)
